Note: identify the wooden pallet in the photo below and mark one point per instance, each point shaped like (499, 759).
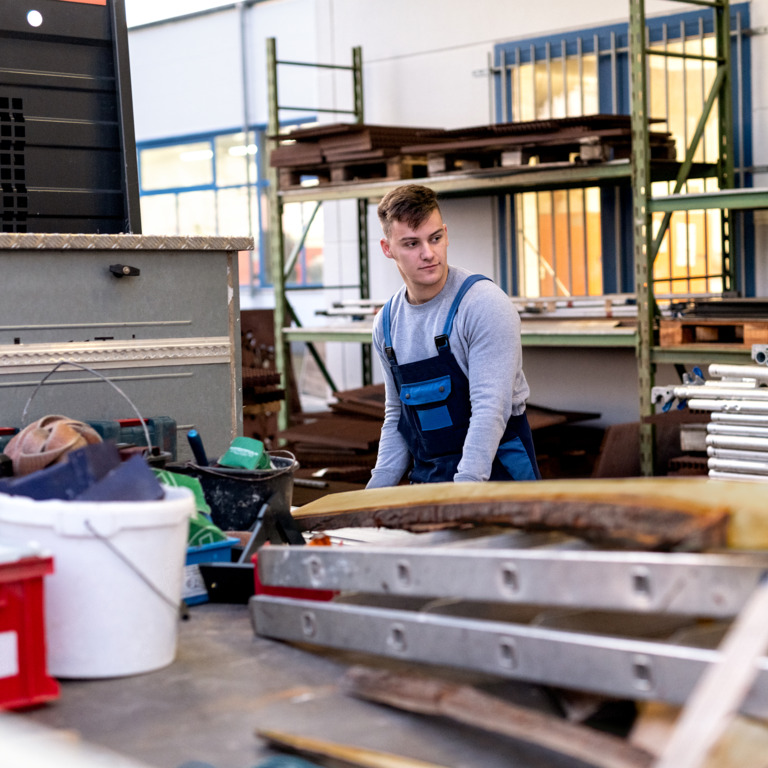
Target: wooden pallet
(395, 168)
(340, 153)
(712, 331)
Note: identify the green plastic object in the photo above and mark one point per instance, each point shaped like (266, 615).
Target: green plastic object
(176, 480)
(246, 453)
(202, 531)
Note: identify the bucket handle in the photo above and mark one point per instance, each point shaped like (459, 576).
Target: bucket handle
(95, 373)
(115, 551)
(266, 474)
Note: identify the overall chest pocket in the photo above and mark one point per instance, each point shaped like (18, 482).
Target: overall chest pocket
(427, 399)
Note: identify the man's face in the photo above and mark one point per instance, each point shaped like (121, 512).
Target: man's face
(421, 256)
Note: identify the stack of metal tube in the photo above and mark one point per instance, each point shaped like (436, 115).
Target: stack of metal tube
(737, 398)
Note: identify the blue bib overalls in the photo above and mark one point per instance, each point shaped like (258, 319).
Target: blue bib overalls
(435, 409)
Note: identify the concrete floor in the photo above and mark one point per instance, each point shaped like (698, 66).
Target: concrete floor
(226, 683)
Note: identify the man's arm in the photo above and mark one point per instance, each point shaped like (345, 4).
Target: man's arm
(489, 336)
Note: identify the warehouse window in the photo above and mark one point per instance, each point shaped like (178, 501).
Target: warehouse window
(216, 185)
(573, 243)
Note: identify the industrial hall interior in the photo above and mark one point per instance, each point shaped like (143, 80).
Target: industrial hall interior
(383, 384)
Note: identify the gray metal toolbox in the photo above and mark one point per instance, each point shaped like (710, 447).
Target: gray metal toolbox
(158, 316)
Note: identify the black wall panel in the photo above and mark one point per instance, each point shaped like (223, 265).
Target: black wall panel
(67, 144)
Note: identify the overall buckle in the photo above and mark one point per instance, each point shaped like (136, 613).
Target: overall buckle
(441, 342)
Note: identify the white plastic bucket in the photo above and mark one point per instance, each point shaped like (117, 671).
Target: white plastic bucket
(112, 602)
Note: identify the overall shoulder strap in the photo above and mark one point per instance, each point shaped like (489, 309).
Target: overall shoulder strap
(385, 327)
(465, 286)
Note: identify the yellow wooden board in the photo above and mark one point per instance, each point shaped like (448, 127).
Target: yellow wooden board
(743, 502)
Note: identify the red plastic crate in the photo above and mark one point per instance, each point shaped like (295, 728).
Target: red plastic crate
(24, 679)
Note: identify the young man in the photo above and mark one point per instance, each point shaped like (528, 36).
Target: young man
(449, 345)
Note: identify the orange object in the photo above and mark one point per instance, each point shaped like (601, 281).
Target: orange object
(47, 441)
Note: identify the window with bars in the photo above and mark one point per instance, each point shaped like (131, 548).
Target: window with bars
(577, 242)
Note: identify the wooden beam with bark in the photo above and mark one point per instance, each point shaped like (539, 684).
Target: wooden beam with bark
(644, 513)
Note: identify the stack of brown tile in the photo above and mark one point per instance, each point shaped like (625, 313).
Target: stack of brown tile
(342, 442)
(343, 152)
(262, 391)
(590, 138)
(347, 152)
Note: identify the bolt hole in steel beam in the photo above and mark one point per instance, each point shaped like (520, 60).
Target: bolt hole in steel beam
(641, 670)
(34, 18)
(510, 579)
(507, 653)
(641, 582)
(308, 624)
(404, 573)
(397, 639)
(315, 570)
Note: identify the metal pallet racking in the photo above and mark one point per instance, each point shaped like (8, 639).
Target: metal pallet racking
(638, 171)
(647, 239)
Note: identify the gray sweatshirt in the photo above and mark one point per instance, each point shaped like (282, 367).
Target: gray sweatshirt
(485, 340)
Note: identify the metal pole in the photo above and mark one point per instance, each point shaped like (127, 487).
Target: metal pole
(276, 243)
(642, 229)
(725, 165)
(362, 214)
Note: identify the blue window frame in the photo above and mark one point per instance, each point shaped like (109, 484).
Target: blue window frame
(215, 184)
(587, 71)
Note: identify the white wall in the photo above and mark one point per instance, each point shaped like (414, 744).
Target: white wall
(183, 84)
(423, 63)
(187, 74)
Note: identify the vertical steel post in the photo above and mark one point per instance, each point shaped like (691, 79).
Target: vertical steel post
(362, 214)
(642, 228)
(276, 243)
(725, 162)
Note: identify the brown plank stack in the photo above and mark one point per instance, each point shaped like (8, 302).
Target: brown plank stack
(343, 441)
(590, 138)
(262, 390)
(344, 152)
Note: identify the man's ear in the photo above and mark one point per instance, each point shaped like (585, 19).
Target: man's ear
(385, 247)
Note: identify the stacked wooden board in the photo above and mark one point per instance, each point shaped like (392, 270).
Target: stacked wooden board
(342, 441)
(348, 152)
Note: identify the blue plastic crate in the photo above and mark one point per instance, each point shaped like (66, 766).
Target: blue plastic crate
(193, 589)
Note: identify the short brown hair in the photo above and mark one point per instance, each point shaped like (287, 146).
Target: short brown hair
(411, 203)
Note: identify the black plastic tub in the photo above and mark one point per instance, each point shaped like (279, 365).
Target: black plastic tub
(236, 496)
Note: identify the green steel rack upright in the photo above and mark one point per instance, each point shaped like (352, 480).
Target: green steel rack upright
(638, 169)
(282, 267)
(646, 241)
